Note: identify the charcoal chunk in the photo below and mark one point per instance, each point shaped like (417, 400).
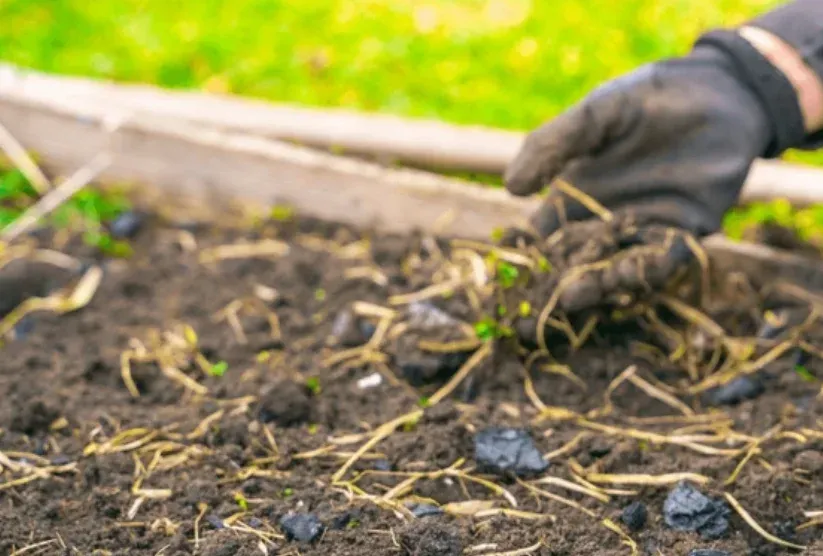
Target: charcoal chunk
(285, 403)
(430, 538)
(424, 368)
(425, 510)
(688, 509)
(301, 527)
(348, 330)
(382, 465)
(634, 516)
(426, 316)
(738, 390)
(127, 225)
(507, 452)
(344, 520)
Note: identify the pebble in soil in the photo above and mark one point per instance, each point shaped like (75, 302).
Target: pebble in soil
(634, 516)
(285, 403)
(425, 510)
(303, 528)
(349, 330)
(508, 452)
(127, 225)
(688, 509)
(736, 391)
(430, 538)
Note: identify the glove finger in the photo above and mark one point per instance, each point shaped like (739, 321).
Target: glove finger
(647, 267)
(581, 131)
(547, 150)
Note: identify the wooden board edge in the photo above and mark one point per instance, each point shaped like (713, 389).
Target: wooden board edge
(183, 159)
(423, 143)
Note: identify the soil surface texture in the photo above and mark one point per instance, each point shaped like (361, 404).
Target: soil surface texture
(300, 387)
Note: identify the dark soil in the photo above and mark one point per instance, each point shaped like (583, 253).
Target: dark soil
(85, 466)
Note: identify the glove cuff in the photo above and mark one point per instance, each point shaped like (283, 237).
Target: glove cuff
(772, 88)
(799, 24)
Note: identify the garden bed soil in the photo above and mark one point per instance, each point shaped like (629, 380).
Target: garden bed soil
(270, 429)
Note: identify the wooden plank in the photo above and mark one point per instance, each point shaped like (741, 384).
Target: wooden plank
(184, 158)
(422, 143)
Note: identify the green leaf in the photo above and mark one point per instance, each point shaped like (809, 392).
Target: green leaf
(219, 369)
(313, 384)
(805, 373)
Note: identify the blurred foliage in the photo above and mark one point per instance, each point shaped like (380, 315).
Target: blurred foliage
(503, 63)
(87, 212)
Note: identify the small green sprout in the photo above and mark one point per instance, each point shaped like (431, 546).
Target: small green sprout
(320, 294)
(423, 402)
(488, 329)
(525, 309)
(497, 234)
(313, 384)
(507, 274)
(287, 492)
(312, 429)
(501, 310)
(543, 264)
(282, 213)
(241, 501)
(353, 524)
(804, 373)
(219, 369)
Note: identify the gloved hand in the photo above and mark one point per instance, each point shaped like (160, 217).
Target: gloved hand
(671, 142)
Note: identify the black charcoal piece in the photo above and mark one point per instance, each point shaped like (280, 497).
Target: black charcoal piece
(688, 509)
(301, 527)
(506, 451)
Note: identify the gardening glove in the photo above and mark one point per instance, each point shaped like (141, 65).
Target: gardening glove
(669, 144)
(672, 141)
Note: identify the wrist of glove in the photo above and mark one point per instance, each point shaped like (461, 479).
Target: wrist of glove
(673, 141)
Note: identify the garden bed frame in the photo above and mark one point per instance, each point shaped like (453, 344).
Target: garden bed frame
(213, 149)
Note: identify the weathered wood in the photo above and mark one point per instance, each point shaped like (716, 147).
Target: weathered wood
(69, 122)
(422, 143)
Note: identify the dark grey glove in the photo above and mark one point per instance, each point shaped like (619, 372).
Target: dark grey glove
(670, 143)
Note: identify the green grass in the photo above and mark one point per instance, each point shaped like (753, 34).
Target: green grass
(86, 213)
(504, 63)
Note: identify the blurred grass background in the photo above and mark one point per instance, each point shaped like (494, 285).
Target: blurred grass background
(504, 63)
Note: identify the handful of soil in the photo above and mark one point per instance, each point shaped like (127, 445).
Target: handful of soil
(589, 268)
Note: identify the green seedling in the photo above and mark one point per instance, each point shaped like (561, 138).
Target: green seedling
(287, 492)
(241, 501)
(353, 524)
(507, 274)
(282, 213)
(312, 428)
(497, 235)
(219, 369)
(805, 373)
(543, 265)
(423, 402)
(320, 294)
(313, 384)
(524, 309)
(108, 245)
(488, 329)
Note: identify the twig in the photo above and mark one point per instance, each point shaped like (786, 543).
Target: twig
(754, 525)
(21, 159)
(461, 374)
(57, 196)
